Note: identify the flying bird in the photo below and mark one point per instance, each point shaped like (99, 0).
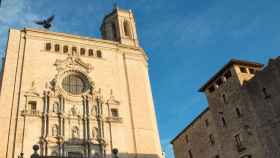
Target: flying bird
(45, 23)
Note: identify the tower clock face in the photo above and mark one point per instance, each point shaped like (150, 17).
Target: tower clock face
(74, 84)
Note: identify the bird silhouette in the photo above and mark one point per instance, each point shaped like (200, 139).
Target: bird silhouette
(46, 23)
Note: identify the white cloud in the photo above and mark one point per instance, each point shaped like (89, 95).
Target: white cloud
(14, 14)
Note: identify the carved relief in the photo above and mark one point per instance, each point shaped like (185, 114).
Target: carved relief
(72, 68)
(72, 62)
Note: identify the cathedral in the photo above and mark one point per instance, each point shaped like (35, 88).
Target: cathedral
(78, 97)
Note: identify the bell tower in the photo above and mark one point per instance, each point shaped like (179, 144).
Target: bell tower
(120, 26)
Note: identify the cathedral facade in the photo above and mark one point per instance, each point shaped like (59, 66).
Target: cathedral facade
(76, 96)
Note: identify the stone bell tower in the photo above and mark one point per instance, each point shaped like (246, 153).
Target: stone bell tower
(120, 26)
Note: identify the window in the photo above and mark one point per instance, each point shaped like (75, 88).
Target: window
(206, 123)
(224, 98)
(190, 154)
(115, 112)
(186, 139)
(211, 89)
(211, 139)
(33, 105)
(82, 51)
(126, 27)
(266, 95)
(227, 75)
(224, 122)
(219, 82)
(65, 49)
(75, 132)
(252, 71)
(90, 52)
(74, 50)
(73, 84)
(238, 141)
(99, 54)
(56, 47)
(48, 46)
(55, 130)
(238, 113)
(243, 69)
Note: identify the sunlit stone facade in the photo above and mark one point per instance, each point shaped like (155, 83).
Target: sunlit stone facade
(77, 96)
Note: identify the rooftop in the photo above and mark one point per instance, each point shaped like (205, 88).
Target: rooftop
(226, 66)
(186, 128)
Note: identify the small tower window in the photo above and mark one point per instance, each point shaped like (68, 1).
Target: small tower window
(65, 49)
(238, 113)
(243, 69)
(74, 50)
(206, 123)
(211, 139)
(48, 46)
(227, 75)
(115, 112)
(190, 154)
(265, 93)
(224, 122)
(56, 47)
(219, 82)
(82, 51)
(238, 141)
(99, 54)
(252, 71)
(224, 98)
(187, 139)
(211, 89)
(90, 52)
(127, 29)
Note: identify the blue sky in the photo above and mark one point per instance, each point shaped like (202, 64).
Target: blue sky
(187, 41)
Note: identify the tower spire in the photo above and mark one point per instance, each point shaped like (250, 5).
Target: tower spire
(115, 4)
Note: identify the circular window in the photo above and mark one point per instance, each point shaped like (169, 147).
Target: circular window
(74, 84)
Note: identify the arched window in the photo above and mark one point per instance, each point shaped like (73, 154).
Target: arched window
(90, 52)
(75, 132)
(55, 130)
(127, 30)
(99, 54)
(48, 46)
(56, 47)
(82, 51)
(74, 50)
(65, 49)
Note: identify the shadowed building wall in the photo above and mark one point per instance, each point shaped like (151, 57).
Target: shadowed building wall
(243, 108)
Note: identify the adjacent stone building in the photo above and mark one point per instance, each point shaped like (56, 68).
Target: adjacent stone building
(243, 116)
(78, 96)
